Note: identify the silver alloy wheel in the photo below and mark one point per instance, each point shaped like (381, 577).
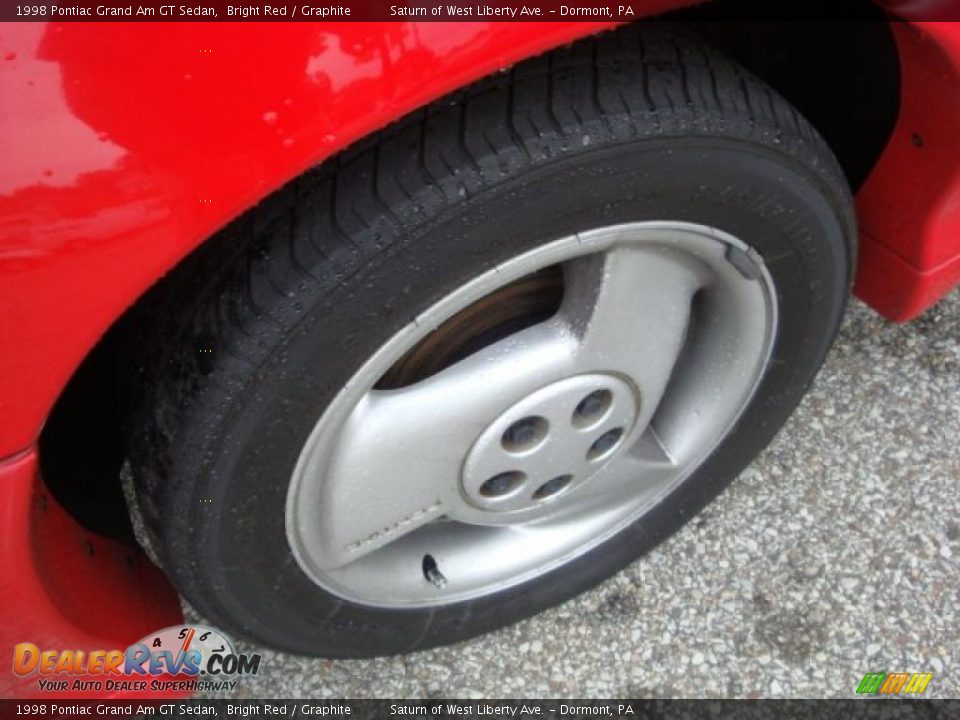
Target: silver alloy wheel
(538, 447)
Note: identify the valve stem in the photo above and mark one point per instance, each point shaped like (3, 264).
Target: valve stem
(432, 573)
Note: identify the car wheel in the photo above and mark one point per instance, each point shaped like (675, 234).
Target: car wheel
(490, 356)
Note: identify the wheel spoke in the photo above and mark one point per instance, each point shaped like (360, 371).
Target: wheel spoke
(398, 460)
(639, 476)
(630, 307)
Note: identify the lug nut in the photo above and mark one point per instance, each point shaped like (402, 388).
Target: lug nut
(592, 407)
(552, 487)
(604, 444)
(502, 484)
(524, 434)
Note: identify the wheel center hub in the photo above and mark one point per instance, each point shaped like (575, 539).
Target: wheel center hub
(549, 443)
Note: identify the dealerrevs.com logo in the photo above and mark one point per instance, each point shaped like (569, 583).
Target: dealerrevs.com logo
(186, 658)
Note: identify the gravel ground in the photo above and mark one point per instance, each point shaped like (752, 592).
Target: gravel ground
(837, 552)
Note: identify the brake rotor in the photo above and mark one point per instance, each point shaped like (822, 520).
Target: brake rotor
(521, 304)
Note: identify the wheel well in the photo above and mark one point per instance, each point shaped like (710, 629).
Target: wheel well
(854, 103)
(844, 76)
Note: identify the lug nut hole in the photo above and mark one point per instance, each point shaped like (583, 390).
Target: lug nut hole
(525, 434)
(502, 484)
(604, 444)
(552, 487)
(592, 408)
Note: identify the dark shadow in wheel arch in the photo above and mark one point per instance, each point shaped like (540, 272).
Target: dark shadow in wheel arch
(844, 76)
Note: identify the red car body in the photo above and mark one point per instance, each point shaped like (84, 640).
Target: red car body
(125, 146)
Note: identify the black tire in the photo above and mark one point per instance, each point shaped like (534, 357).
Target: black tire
(253, 337)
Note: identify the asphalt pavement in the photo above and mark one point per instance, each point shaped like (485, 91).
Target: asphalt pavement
(837, 552)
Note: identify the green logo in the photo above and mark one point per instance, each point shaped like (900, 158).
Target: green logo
(896, 683)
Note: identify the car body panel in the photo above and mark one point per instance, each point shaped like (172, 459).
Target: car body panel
(154, 156)
(909, 208)
(65, 588)
(157, 155)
